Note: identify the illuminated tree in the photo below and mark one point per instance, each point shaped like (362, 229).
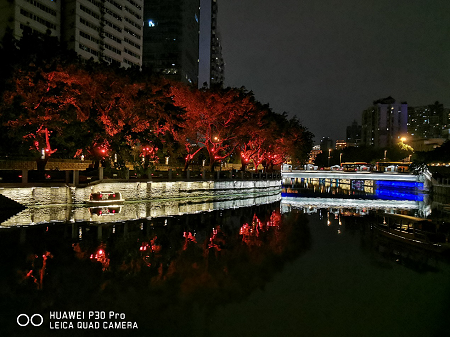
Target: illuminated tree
(154, 123)
(297, 142)
(41, 103)
(215, 120)
(275, 141)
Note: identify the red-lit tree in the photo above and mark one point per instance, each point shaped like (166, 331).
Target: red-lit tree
(215, 120)
(154, 124)
(41, 103)
(284, 140)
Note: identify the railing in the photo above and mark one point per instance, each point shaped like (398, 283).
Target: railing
(180, 175)
(76, 173)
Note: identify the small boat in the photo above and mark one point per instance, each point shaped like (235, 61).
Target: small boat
(411, 230)
(104, 198)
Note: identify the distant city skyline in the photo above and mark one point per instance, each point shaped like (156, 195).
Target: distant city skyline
(326, 61)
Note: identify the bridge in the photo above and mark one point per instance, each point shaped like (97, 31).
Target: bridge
(390, 176)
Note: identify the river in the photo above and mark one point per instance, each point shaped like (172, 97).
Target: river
(291, 264)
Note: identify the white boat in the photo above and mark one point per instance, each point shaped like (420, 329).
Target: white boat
(104, 198)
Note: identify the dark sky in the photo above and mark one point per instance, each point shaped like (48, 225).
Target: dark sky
(326, 61)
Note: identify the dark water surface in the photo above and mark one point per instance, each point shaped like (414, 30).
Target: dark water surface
(266, 270)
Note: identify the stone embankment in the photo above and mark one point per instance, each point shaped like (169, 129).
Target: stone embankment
(135, 191)
(441, 190)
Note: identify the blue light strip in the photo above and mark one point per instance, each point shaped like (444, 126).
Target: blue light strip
(399, 184)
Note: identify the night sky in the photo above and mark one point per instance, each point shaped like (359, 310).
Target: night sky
(326, 61)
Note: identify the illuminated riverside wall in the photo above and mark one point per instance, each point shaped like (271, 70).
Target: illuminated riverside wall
(135, 191)
(34, 215)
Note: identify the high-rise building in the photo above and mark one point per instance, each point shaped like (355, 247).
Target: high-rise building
(171, 38)
(41, 16)
(109, 30)
(384, 123)
(211, 64)
(326, 143)
(428, 121)
(353, 134)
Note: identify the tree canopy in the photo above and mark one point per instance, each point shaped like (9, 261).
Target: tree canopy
(63, 106)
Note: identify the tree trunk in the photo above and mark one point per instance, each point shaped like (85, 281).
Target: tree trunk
(41, 163)
(186, 164)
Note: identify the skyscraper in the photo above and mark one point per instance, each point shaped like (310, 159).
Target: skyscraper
(211, 64)
(353, 134)
(109, 30)
(41, 16)
(428, 121)
(384, 123)
(171, 37)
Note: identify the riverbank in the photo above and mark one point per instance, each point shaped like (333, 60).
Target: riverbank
(41, 195)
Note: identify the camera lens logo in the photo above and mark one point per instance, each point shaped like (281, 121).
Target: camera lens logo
(35, 320)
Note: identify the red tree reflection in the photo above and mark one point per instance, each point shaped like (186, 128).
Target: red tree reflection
(101, 256)
(37, 273)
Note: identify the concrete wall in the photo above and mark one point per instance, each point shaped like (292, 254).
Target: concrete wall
(134, 191)
(158, 207)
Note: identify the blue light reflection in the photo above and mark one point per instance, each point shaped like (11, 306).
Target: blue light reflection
(393, 194)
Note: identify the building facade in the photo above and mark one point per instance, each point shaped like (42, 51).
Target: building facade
(109, 30)
(353, 134)
(326, 143)
(430, 121)
(171, 38)
(384, 123)
(217, 64)
(211, 64)
(41, 16)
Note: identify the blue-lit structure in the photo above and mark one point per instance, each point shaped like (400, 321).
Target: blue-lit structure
(399, 184)
(369, 189)
(399, 190)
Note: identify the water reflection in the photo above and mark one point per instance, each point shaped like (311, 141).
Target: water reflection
(298, 266)
(150, 267)
(135, 210)
(361, 194)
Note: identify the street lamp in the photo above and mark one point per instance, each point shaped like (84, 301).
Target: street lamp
(385, 152)
(340, 159)
(329, 156)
